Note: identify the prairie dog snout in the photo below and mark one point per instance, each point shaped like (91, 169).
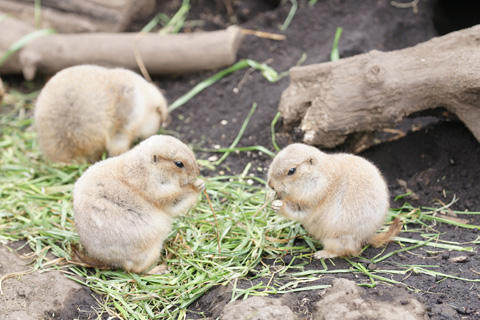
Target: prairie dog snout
(341, 199)
(124, 206)
(85, 110)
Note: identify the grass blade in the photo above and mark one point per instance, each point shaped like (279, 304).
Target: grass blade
(290, 15)
(176, 22)
(269, 74)
(272, 129)
(335, 55)
(20, 43)
(239, 136)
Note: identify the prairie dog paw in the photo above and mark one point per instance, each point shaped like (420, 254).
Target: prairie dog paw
(199, 185)
(160, 269)
(323, 254)
(277, 205)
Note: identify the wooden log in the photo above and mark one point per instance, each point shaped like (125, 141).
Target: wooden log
(377, 90)
(16, 30)
(161, 54)
(75, 16)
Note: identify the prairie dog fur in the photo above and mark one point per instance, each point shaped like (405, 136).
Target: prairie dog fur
(340, 199)
(124, 206)
(84, 110)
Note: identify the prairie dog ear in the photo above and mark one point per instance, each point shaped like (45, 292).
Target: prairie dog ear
(312, 161)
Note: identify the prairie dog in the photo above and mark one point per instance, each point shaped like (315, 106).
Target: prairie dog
(84, 110)
(124, 206)
(340, 199)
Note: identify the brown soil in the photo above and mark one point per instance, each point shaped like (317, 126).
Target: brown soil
(437, 158)
(45, 295)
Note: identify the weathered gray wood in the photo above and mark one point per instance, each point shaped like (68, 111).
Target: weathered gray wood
(376, 90)
(73, 16)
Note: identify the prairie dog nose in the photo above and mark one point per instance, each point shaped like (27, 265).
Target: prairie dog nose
(270, 184)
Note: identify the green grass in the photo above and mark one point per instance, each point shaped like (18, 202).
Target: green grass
(290, 15)
(170, 25)
(335, 54)
(272, 130)
(36, 206)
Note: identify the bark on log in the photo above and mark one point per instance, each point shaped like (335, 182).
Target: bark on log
(378, 89)
(75, 16)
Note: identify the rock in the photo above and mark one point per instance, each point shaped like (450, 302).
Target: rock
(38, 295)
(346, 301)
(257, 308)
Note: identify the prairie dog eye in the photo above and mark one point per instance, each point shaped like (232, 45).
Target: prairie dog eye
(155, 158)
(179, 164)
(291, 171)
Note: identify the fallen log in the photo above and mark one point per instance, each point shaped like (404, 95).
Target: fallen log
(75, 16)
(161, 54)
(16, 30)
(377, 90)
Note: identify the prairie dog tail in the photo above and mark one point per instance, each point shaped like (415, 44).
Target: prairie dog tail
(81, 258)
(383, 238)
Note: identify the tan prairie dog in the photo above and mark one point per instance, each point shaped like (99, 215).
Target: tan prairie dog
(124, 206)
(85, 110)
(340, 199)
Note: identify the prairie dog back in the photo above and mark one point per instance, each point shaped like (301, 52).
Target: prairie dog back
(86, 110)
(341, 199)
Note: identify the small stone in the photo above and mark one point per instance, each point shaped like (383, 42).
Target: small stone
(372, 266)
(458, 259)
(213, 158)
(468, 311)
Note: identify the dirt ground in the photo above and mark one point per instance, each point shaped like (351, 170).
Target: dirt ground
(437, 159)
(39, 295)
